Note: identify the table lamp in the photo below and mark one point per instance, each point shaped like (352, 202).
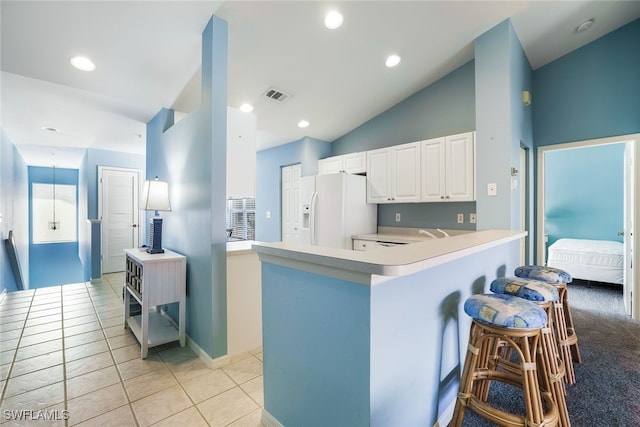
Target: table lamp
(155, 197)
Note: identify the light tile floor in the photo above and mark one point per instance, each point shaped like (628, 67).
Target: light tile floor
(66, 357)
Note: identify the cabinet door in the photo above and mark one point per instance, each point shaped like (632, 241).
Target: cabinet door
(406, 173)
(460, 167)
(354, 163)
(330, 165)
(433, 170)
(379, 176)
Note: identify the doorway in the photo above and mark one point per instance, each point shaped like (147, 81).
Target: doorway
(290, 191)
(630, 182)
(118, 199)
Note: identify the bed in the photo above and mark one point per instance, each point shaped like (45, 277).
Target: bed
(596, 260)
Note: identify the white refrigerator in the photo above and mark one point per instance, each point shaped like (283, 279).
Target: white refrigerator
(334, 208)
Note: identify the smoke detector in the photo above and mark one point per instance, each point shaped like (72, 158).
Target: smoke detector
(276, 95)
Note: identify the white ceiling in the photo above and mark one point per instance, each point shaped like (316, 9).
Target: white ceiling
(148, 57)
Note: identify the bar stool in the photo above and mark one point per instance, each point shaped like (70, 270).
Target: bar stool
(551, 370)
(564, 328)
(504, 320)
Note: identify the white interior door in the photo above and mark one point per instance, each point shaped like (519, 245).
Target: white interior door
(290, 210)
(118, 210)
(629, 202)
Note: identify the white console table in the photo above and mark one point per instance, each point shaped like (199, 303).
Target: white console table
(153, 280)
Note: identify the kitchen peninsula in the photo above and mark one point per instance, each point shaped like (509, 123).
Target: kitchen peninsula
(372, 338)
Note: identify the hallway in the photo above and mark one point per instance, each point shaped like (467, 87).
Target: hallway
(64, 354)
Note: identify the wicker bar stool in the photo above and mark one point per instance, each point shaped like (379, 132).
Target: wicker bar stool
(551, 368)
(563, 321)
(499, 321)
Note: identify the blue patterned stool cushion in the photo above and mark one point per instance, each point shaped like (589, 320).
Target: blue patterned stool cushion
(546, 274)
(529, 289)
(505, 311)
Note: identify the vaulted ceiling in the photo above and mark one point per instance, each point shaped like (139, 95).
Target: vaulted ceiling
(147, 56)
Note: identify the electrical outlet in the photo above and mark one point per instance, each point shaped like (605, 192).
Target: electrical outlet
(460, 218)
(268, 214)
(397, 217)
(472, 218)
(492, 189)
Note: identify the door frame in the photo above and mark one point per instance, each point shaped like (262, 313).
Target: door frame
(141, 214)
(632, 180)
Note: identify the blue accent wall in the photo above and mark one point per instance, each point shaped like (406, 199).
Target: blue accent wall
(446, 107)
(585, 200)
(590, 93)
(52, 264)
(13, 205)
(305, 151)
(191, 156)
(503, 124)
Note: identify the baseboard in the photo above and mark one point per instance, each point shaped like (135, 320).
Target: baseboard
(446, 416)
(216, 363)
(95, 281)
(269, 420)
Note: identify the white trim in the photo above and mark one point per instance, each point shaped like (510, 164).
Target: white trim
(211, 363)
(269, 420)
(447, 415)
(540, 256)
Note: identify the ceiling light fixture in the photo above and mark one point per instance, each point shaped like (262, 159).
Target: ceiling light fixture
(584, 26)
(303, 124)
(392, 61)
(246, 108)
(82, 63)
(333, 20)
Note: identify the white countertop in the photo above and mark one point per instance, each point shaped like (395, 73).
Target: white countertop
(361, 266)
(240, 247)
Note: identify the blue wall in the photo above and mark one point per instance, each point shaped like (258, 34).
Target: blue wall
(590, 93)
(503, 124)
(585, 198)
(446, 107)
(306, 151)
(53, 264)
(97, 158)
(191, 156)
(13, 205)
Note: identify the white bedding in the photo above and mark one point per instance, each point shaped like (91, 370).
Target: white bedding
(597, 260)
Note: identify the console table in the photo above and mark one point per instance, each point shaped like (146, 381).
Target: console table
(153, 280)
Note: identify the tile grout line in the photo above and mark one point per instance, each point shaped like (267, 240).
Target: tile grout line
(15, 354)
(115, 365)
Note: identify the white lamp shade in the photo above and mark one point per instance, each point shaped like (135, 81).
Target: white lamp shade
(155, 196)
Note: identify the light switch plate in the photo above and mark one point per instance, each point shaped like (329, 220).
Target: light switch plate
(492, 189)
(397, 217)
(472, 218)
(460, 218)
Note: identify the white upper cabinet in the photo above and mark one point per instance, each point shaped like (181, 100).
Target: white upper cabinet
(241, 154)
(448, 168)
(393, 174)
(350, 163)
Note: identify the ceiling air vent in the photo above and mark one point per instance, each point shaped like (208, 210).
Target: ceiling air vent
(276, 95)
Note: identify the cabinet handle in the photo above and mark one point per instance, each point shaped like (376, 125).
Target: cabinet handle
(134, 225)
(447, 197)
(442, 197)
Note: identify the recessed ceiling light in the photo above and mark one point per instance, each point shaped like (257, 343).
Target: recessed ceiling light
(246, 108)
(50, 129)
(392, 61)
(82, 63)
(584, 26)
(303, 124)
(333, 20)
